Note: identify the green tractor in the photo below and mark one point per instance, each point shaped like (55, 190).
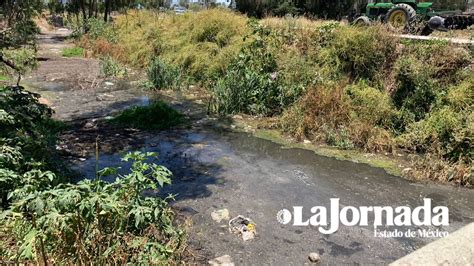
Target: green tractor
(412, 16)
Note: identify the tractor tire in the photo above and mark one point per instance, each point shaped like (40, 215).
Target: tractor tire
(399, 16)
(362, 21)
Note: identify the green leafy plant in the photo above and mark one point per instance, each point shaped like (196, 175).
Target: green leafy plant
(157, 115)
(25, 139)
(111, 68)
(251, 84)
(97, 28)
(97, 222)
(24, 59)
(162, 75)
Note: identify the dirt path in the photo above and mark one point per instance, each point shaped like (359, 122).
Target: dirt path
(217, 169)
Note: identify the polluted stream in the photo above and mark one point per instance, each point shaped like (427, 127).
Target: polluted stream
(222, 169)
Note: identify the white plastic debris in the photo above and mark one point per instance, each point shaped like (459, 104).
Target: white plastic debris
(220, 215)
(314, 257)
(225, 260)
(243, 226)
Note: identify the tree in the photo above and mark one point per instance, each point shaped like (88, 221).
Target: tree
(17, 27)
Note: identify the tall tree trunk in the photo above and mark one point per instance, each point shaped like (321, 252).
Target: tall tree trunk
(84, 15)
(91, 8)
(107, 10)
(96, 7)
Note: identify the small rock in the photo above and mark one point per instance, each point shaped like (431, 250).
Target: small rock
(89, 125)
(306, 141)
(237, 117)
(233, 126)
(220, 215)
(314, 257)
(225, 260)
(248, 235)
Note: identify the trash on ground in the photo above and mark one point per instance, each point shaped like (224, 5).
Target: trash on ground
(243, 226)
(220, 215)
(314, 257)
(225, 260)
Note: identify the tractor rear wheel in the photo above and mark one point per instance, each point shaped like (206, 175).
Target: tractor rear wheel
(361, 21)
(399, 16)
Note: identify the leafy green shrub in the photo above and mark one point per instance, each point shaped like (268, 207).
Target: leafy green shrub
(461, 97)
(252, 83)
(370, 105)
(95, 221)
(445, 132)
(111, 68)
(44, 220)
(162, 75)
(325, 110)
(415, 91)
(21, 30)
(98, 28)
(354, 116)
(23, 58)
(26, 138)
(73, 52)
(360, 53)
(442, 61)
(339, 138)
(158, 115)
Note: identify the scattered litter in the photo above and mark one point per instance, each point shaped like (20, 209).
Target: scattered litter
(107, 83)
(306, 141)
(314, 257)
(220, 215)
(82, 159)
(225, 260)
(406, 170)
(89, 125)
(237, 117)
(302, 176)
(241, 225)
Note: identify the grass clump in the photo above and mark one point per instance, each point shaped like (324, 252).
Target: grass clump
(251, 84)
(111, 68)
(202, 44)
(72, 52)
(162, 75)
(158, 115)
